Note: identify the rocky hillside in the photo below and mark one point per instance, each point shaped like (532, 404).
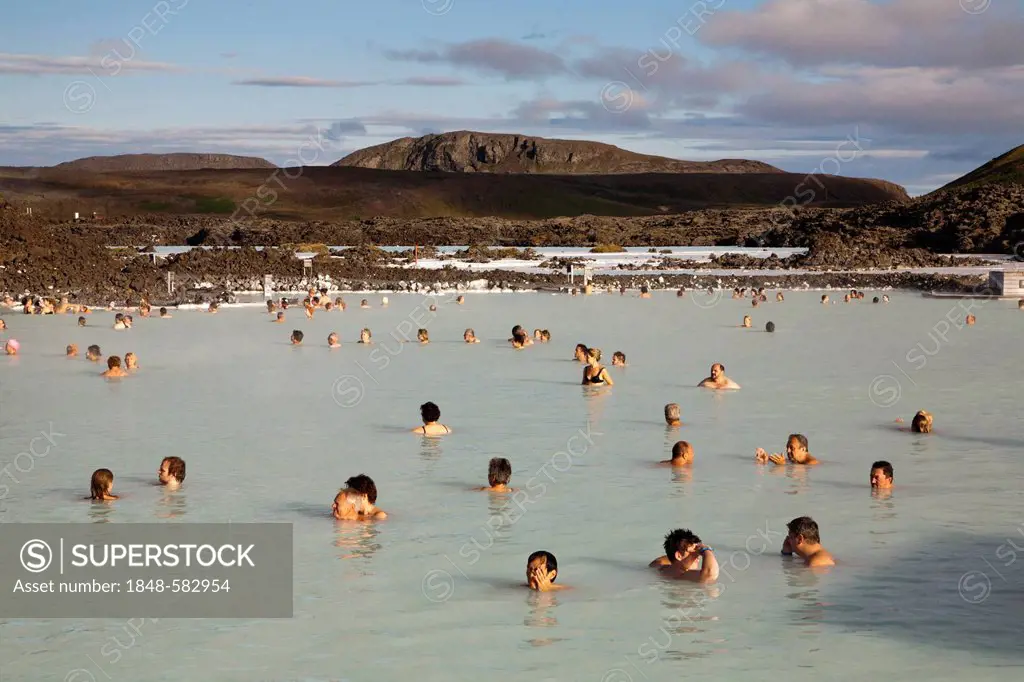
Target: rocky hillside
(473, 152)
(1002, 170)
(162, 162)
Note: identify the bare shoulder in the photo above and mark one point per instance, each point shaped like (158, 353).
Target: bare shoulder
(659, 562)
(821, 559)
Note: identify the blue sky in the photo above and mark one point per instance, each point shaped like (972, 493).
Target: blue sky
(928, 89)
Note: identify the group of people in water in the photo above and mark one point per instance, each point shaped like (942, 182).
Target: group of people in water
(685, 556)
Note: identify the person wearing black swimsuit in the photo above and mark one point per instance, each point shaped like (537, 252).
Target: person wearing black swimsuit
(594, 373)
(430, 414)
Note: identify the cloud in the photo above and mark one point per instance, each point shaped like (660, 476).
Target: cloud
(302, 82)
(909, 100)
(109, 63)
(228, 55)
(495, 56)
(930, 33)
(432, 81)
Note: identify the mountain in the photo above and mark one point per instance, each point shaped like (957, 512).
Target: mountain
(472, 152)
(1007, 169)
(162, 162)
(322, 193)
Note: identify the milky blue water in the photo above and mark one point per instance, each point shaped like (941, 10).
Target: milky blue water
(929, 584)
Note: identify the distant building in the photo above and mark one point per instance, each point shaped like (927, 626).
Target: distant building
(1008, 282)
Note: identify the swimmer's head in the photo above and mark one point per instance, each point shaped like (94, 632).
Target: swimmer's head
(384, 301)
(280, 317)
(618, 358)
(12, 346)
(717, 370)
(328, 306)
(365, 335)
(296, 337)
(469, 335)
(81, 321)
(581, 352)
(131, 361)
(423, 336)
(172, 470)
(881, 474)
(101, 484)
(780, 297)
(545, 335)
(875, 300)
(682, 453)
(672, 414)
(594, 354)
(679, 544)
(922, 422)
(824, 298)
(433, 308)
(430, 412)
(971, 319)
(644, 289)
(1020, 304)
(746, 321)
(163, 312)
(770, 327)
(332, 339)
(499, 471)
(119, 317)
(537, 334)
(803, 530)
(796, 446)
(93, 352)
(755, 302)
(363, 486)
(460, 300)
(270, 306)
(541, 561)
(364, 303)
(113, 362)
(71, 350)
(680, 293)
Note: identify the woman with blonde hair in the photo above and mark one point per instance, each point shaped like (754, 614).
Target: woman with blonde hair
(100, 486)
(594, 373)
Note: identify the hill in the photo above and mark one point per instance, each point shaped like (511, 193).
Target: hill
(331, 194)
(162, 162)
(1007, 169)
(473, 152)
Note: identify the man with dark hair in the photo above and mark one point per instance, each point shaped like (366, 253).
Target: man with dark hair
(172, 472)
(682, 455)
(796, 452)
(499, 472)
(93, 353)
(356, 501)
(804, 540)
(541, 571)
(297, 337)
(683, 549)
(718, 380)
(881, 475)
(672, 415)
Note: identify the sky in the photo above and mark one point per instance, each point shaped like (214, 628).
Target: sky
(917, 92)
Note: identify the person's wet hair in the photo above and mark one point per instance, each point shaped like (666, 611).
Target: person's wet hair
(518, 329)
(770, 327)
(885, 467)
(363, 485)
(581, 347)
(550, 562)
(93, 350)
(675, 540)
(799, 438)
(499, 471)
(875, 299)
(72, 349)
(423, 335)
(545, 335)
(620, 356)
(113, 362)
(297, 335)
(176, 468)
(922, 422)
(594, 353)
(430, 412)
(102, 480)
(681, 449)
(118, 317)
(805, 526)
(672, 412)
(81, 321)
